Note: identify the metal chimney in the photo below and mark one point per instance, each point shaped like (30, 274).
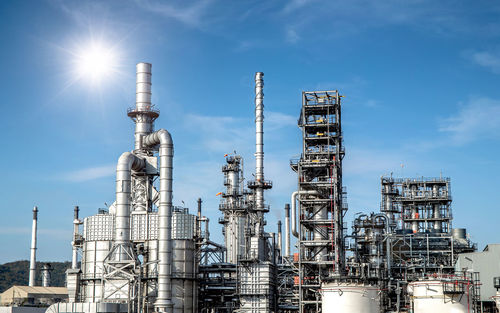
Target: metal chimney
(76, 223)
(33, 249)
(144, 113)
(46, 268)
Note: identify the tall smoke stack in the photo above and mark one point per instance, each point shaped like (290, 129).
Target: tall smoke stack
(144, 113)
(259, 151)
(33, 249)
(287, 230)
(76, 223)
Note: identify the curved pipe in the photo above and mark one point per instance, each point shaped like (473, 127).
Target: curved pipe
(166, 152)
(294, 208)
(287, 230)
(126, 163)
(387, 241)
(294, 214)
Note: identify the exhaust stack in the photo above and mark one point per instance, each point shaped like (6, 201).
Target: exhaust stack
(144, 113)
(33, 249)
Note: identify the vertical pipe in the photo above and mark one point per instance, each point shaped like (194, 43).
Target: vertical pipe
(280, 242)
(164, 299)
(126, 163)
(143, 118)
(33, 248)
(259, 149)
(46, 275)
(287, 230)
(198, 222)
(76, 222)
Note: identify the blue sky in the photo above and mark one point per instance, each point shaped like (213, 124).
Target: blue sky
(421, 81)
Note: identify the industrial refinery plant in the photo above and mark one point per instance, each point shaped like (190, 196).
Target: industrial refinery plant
(142, 254)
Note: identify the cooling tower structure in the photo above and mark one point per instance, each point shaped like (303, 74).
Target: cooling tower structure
(319, 204)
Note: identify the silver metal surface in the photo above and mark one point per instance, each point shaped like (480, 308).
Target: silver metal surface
(166, 152)
(45, 272)
(126, 163)
(287, 230)
(32, 276)
(259, 150)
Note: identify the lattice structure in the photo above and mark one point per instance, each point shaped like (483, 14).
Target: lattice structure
(321, 210)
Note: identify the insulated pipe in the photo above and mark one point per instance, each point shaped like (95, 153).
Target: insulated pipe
(294, 208)
(287, 230)
(33, 248)
(76, 222)
(166, 151)
(259, 148)
(126, 163)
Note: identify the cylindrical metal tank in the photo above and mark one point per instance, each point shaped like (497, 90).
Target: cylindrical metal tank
(431, 296)
(98, 232)
(459, 233)
(184, 286)
(349, 298)
(94, 253)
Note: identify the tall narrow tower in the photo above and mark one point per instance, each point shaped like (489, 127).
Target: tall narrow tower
(33, 248)
(320, 195)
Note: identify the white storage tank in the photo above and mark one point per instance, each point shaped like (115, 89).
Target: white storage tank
(350, 298)
(440, 296)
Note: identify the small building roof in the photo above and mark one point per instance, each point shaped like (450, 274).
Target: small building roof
(24, 292)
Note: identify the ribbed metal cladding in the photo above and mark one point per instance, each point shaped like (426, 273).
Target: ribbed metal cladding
(143, 87)
(143, 115)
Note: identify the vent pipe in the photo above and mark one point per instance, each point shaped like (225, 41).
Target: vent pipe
(33, 249)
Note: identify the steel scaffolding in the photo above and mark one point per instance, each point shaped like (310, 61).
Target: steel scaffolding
(320, 196)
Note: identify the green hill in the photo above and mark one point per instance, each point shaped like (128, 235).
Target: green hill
(17, 273)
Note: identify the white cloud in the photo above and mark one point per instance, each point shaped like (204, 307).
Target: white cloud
(488, 60)
(292, 36)
(295, 4)
(339, 18)
(189, 14)
(89, 173)
(479, 118)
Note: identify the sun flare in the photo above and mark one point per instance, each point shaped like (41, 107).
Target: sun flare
(96, 62)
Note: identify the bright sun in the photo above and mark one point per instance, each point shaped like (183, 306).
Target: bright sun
(96, 62)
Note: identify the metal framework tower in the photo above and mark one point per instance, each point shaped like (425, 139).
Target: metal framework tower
(320, 196)
(234, 208)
